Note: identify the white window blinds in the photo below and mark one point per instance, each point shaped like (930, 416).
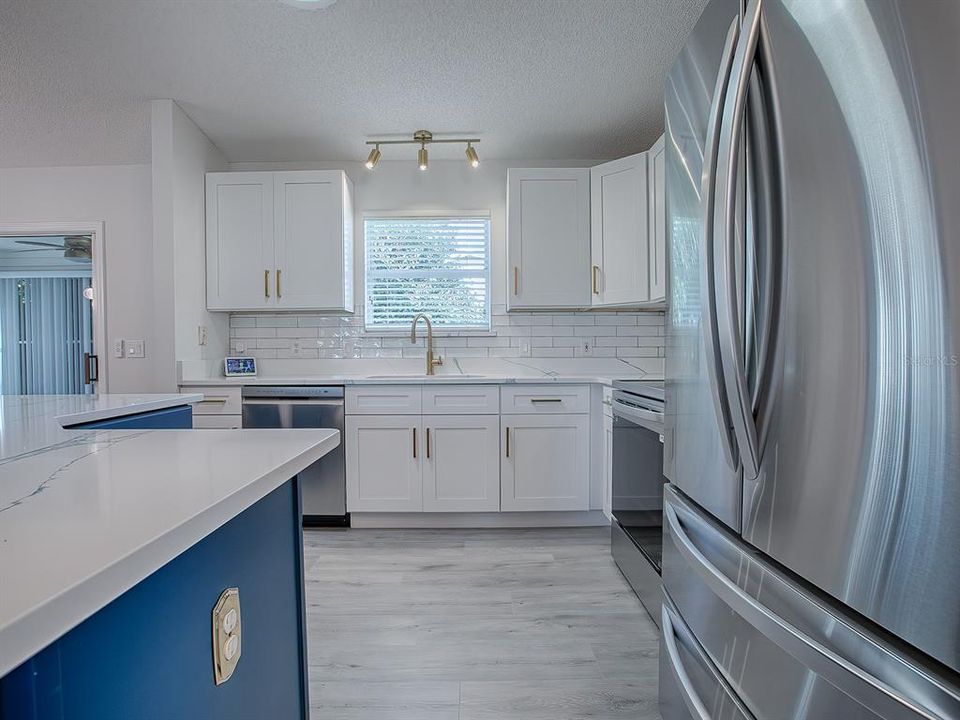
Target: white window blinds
(435, 265)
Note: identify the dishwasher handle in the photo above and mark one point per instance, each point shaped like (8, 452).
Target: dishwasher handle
(292, 401)
(292, 392)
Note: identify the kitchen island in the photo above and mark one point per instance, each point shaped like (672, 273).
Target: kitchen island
(115, 546)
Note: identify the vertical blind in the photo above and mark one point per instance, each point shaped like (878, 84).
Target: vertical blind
(435, 265)
(46, 326)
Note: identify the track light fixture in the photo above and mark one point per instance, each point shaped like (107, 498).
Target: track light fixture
(422, 138)
(472, 156)
(373, 158)
(422, 156)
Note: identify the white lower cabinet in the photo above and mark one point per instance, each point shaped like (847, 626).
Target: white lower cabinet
(461, 463)
(545, 463)
(383, 463)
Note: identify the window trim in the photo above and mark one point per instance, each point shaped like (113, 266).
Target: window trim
(426, 214)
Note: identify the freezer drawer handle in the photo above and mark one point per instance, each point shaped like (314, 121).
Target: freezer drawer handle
(690, 697)
(862, 686)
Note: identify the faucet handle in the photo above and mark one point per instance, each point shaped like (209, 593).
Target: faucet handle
(438, 360)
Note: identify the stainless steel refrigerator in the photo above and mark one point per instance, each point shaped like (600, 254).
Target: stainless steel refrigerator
(811, 563)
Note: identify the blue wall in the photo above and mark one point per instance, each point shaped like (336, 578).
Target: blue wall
(147, 655)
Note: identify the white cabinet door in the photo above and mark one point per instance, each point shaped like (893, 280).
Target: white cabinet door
(314, 240)
(383, 459)
(461, 466)
(548, 238)
(545, 462)
(240, 260)
(619, 228)
(608, 466)
(656, 164)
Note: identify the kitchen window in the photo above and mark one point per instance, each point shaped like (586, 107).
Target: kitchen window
(436, 265)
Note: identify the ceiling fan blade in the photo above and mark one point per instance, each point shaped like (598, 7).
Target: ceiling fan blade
(37, 242)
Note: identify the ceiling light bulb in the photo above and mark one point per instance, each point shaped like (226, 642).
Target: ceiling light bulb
(422, 156)
(472, 157)
(373, 158)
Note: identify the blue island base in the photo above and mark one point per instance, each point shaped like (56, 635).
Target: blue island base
(148, 654)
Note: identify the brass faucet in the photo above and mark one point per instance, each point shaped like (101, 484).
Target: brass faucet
(431, 363)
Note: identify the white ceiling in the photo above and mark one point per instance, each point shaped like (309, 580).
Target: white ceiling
(536, 79)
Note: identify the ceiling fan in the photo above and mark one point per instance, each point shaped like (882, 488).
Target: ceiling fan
(74, 247)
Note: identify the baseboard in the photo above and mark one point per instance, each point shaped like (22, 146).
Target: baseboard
(579, 518)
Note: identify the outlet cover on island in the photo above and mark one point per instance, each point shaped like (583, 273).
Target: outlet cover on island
(136, 349)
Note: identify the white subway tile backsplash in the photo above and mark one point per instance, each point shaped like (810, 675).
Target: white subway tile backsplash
(568, 334)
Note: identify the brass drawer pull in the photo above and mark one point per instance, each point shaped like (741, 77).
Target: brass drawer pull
(596, 280)
(508, 441)
(266, 283)
(428, 443)
(279, 294)
(414, 443)
(546, 400)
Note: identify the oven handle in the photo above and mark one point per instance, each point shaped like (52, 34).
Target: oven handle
(630, 412)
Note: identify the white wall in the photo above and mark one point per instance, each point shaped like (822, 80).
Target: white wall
(120, 197)
(181, 156)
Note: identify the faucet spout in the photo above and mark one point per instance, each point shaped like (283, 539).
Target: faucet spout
(431, 363)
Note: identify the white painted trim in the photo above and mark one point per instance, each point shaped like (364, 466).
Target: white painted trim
(578, 518)
(95, 230)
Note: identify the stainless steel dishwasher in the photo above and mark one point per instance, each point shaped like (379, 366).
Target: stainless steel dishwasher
(323, 484)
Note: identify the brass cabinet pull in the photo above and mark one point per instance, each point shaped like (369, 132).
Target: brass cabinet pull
(516, 280)
(595, 279)
(428, 443)
(508, 441)
(266, 283)
(414, 443)
(279, 294)
(546, 400)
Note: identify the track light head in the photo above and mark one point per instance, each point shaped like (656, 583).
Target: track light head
(373, 158)
(472, 156)
(422, 156)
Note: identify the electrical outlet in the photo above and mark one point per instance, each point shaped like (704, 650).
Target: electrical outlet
(587, 347)
(239, 346)
(524, 347)
(202, 335)
(118, 349)
(295, 347)
(136, 349)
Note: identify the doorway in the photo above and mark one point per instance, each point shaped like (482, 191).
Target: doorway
(51, 313)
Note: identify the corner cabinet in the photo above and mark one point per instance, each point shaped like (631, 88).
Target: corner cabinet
(657, 215)
(548, 238)
(279, 241)
(620, 272)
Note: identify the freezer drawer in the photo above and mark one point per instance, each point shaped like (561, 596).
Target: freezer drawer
(691, 687)
(785, 651)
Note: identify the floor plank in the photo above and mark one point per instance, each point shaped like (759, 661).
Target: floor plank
(475, 624)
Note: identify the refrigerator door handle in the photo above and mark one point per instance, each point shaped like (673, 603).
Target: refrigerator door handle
(879, 695)
(708, 196)
(725, 216)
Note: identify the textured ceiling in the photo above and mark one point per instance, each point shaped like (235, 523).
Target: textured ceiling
(535, 79)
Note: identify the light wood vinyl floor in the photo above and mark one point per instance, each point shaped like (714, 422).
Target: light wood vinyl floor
(475, 624)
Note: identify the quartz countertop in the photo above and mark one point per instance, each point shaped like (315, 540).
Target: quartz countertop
(34, 422)
(454, 371)
(87, 514)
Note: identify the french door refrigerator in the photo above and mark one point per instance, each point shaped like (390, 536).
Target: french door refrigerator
(811, 562)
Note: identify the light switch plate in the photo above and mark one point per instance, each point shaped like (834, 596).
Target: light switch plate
(226, 635)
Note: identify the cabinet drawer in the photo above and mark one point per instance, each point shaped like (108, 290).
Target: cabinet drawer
(217, 422)
(383, 400)
(461, 400)
(217, 400)
(541, 399)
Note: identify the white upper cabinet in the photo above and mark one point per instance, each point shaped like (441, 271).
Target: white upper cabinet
(280, 241)
(548, 238)
(239, 241)
(656, 167)
(620, 274)
(313, 240)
